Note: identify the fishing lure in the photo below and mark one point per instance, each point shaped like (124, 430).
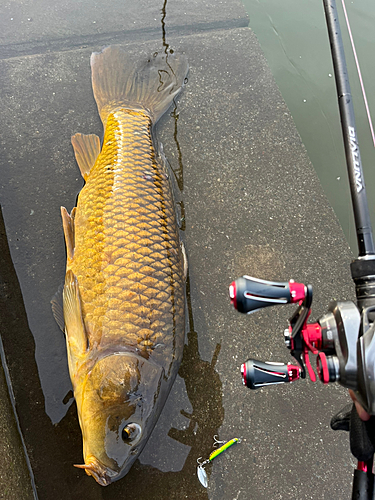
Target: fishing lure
(202, 474)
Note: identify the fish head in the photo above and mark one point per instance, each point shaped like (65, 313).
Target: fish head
(117, 409)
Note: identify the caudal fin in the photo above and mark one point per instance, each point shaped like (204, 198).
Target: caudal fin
(152, 87)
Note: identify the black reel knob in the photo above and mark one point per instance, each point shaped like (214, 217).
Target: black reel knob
(249, 294)
(257, 374)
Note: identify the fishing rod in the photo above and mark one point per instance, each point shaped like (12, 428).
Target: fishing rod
(343, 339)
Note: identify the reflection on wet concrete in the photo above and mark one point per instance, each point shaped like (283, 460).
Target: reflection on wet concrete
(204, 390)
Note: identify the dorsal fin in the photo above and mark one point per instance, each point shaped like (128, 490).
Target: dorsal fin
(86, 150)
(68, 226)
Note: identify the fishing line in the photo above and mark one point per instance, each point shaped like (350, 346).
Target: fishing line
(359, 71)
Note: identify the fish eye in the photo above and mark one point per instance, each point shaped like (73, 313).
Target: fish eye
(131, 433)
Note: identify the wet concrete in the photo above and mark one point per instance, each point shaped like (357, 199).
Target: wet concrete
(253, 205)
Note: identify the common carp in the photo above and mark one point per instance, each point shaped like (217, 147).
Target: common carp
(124, 290)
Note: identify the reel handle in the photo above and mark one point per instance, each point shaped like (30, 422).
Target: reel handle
(257, 373)
(249, 294)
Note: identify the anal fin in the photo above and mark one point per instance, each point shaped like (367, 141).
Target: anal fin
(74, 325)
(86, 150)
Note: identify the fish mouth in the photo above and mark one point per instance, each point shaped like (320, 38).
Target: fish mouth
(102, 474)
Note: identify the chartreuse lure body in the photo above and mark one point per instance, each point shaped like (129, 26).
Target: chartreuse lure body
(220, 450)
(202, 474)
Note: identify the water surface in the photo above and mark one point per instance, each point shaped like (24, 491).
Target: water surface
(294, 38)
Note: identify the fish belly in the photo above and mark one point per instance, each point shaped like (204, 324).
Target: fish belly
(127, 256)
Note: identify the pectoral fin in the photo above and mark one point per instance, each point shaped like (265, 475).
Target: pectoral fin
(57, 308)
(76, 337)
(86, 150)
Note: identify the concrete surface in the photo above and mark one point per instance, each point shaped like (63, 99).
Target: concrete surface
(253, 205)
(32, 27)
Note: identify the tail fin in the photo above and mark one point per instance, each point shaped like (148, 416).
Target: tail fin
(116, 82)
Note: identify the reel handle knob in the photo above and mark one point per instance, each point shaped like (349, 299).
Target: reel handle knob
(249, 294)
(257, 373)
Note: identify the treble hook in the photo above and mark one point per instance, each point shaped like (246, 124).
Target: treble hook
(217, 441)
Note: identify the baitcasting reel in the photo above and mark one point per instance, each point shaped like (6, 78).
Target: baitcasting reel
(342, 356)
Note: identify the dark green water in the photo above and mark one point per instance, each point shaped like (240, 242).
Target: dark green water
(294, 38)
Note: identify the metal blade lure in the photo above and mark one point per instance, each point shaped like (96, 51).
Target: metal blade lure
(201, 472)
